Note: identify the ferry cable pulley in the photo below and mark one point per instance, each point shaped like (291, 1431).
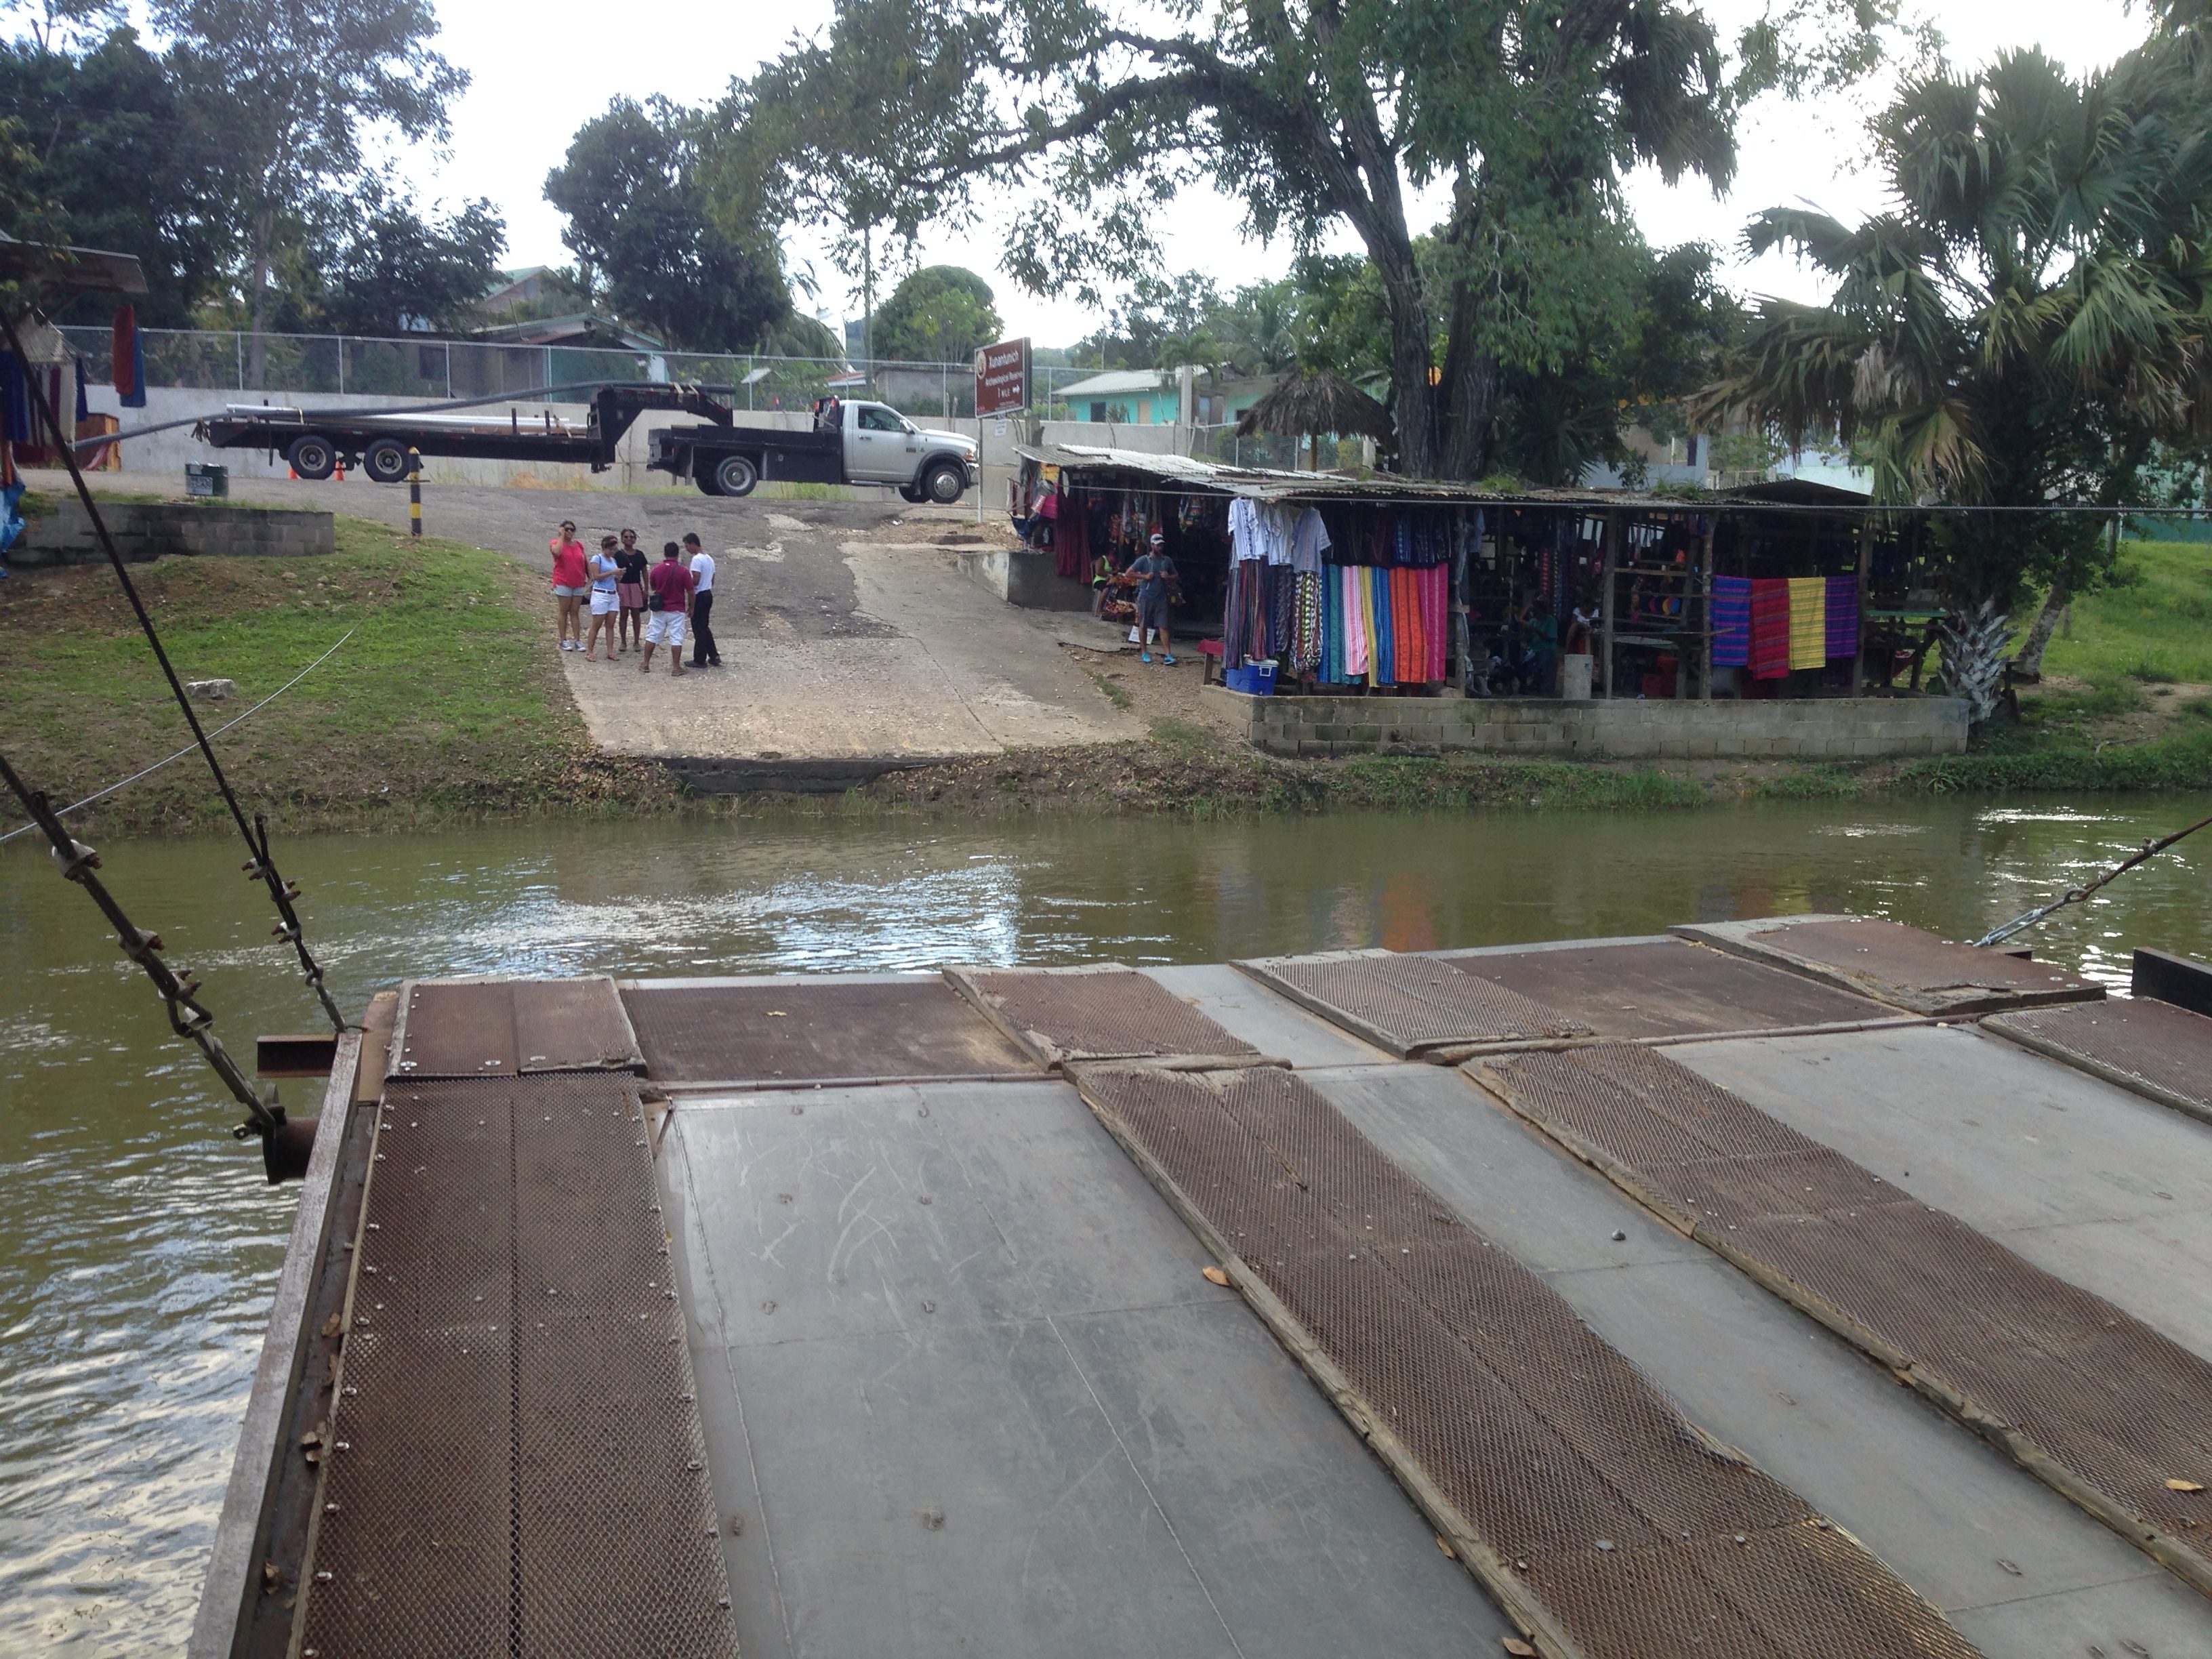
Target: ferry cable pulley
(2150, 850)
(283, 1152)
(261, 865)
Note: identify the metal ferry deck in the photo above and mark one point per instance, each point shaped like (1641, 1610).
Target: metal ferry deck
(1788, 1287)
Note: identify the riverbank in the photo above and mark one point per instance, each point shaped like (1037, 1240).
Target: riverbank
(448, 705)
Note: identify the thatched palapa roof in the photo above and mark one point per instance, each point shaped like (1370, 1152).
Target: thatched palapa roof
(1311, 402)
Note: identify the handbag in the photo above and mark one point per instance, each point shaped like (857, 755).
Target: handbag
(652, 601)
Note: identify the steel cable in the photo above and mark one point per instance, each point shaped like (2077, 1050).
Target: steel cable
(260, 865)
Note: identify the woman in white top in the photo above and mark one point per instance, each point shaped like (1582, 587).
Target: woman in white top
(604, 567)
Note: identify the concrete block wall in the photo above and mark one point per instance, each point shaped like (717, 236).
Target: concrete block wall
(145, 531)
(1827, 728)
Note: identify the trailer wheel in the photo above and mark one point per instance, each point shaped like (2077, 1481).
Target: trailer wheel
(313, 456)
(386, 460)
(735, 475)
(944, 484)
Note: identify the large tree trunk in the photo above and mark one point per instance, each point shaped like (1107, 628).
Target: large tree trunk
(257, 301)
(2027, 663)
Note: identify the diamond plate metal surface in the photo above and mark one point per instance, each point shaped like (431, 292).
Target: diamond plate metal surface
(819, 1031)
(514, 1463)
(1583, 1486)
(1667, 987)
(1094, 1013)
(2151, 1047)
(2086, 1396)
(1407, 1004)
(509, 1028)
(1907, 968)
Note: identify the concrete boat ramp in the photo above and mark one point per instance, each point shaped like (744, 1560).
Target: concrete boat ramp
(1805, 1286)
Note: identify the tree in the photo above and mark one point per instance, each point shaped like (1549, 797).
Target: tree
(285, 90)
(55, 25)
(2028, 323)
(1524, 114)
(631, 189)
(390, 266)
(938, 314)
(111, 149)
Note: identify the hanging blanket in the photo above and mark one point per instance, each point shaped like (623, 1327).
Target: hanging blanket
(1356, 636)
(1732, 622)
(1843, 617)
(1770, 627)
(1809, 621)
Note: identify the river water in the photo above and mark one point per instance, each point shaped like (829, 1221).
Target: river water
(139, 1248)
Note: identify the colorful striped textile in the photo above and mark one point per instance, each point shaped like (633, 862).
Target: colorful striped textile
(1356, 636)
(1843, 617)
(1770, 627)
(1809, 621)
(1731, 622)
(1439, 585)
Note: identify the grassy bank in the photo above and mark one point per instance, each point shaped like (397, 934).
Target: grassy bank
(445, 703)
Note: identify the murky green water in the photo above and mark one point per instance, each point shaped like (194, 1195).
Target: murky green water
(139, 1248)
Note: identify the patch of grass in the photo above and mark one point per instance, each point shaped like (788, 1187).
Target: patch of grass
(447, 701)
(2156, 617)
(2182, 760)
(1812, 782)
(1173, 732)
(1110, 690)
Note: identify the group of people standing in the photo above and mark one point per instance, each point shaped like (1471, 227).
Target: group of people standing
(637, 602)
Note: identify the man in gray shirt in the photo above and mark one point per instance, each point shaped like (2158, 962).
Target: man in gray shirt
(1153, 570)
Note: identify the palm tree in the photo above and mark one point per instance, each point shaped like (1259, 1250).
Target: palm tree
(2027, 321)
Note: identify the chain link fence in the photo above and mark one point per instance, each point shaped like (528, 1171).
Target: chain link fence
(324, 365)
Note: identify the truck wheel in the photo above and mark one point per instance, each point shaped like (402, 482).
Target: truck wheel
(911, 492)
(386, 460)
(705, 479)
(944, 484)
(735, 475)
(313, 456)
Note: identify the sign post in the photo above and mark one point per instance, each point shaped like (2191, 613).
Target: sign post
(1002, 388)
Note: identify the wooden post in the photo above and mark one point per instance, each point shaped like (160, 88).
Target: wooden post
(1613, 530)
(1866, 569)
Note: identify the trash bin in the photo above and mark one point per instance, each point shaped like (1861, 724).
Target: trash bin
(1575, 676)
(208, 478)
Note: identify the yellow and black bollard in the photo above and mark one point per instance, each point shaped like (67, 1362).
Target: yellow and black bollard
(415, 492)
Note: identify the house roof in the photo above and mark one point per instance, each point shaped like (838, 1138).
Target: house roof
(1114, 380)
(588, 326)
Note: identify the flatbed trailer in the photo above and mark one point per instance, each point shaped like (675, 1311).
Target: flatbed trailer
(316, 443)
(848, 443)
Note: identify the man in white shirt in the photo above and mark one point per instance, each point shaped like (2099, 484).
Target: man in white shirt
(703, 654)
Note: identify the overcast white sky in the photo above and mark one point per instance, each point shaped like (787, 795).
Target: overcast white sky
(539, 74)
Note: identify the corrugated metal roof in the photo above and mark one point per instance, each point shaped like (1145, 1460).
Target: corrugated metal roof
(1273, 484)
(1115, 380)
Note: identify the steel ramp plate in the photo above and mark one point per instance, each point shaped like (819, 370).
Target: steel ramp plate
(1603, 1522)
(514, 1463)
(2088, 1398)
(819, 1031)
(1665, 988)
(511, 1027)
(1411, 1004)
(1106, 1012)
(2138, 1042)
(1901, 966)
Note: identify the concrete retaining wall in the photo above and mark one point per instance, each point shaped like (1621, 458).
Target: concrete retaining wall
(146, 530)
(1826, 728)
(1025, 579)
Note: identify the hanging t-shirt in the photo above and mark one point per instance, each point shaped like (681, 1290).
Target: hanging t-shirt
(1309, 541)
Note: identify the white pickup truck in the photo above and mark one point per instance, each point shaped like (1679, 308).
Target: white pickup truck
(850, 442)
